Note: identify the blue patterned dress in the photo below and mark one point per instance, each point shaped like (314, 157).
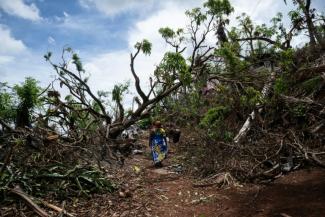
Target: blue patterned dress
(158, 145)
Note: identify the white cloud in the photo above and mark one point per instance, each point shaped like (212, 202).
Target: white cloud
(113, 7)
(259, 10)
(51, 40)
(16, 61)
(65, 14)
(108, 69)
(9, 45)
(5, 59)
(20, 9)
(29, 64)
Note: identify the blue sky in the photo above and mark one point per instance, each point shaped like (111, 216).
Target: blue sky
(103, 32)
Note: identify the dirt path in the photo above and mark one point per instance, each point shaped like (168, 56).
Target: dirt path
(148, 191)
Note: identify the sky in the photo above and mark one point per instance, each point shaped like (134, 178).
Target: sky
(102, 32)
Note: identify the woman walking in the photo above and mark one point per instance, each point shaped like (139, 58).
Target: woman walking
(158, 144)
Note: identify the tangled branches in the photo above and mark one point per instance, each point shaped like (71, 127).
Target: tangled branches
(45, 164)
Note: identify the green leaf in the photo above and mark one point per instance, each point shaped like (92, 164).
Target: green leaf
(146, 47)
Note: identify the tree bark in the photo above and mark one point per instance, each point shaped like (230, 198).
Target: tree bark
(313, 34)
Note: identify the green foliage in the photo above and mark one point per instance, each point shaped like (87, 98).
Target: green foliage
(251, 97)
(214, 116)
(295, 16)
(213, 122)
(247, 27)
(280, 85)
(7, 111)
(60, 180)
(167, 32)
(144, 46)
(313, 84)
(228, 136)
(47, 56)
(263, 30)
(144, 123)
(28, 92)
(286, 59)
(119, 90)
(172, 67)
(197, 15)
(174, 38)
(229, 51)
(219, 7)
(77, 62)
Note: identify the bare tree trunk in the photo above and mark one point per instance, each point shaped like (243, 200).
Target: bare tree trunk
(313, 34)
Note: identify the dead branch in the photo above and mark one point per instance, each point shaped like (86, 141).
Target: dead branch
(291, 99)
(217, 179)
(305, 73)
(268, 158)
(18, 191)
(83, 87)
(260, 38)
(56, 208)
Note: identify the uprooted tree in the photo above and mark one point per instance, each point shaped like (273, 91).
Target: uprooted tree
(253, 103)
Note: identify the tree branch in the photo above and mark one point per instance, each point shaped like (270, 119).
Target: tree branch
(136, 78)
(262, 39)
(87, 89)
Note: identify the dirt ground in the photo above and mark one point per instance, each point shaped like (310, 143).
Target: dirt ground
(148, 191)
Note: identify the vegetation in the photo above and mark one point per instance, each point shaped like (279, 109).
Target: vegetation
(249, 98)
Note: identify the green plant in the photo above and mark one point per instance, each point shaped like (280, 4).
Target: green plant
(7, 111)
(145, 123)
(228, 136)
(312, 84)
(251, 97)
(280, 86)
(28, 92)
(173, 67)
(286, 59)
(28, 97)
(213, 121)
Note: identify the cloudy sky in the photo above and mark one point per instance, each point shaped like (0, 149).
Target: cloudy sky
(103, 32)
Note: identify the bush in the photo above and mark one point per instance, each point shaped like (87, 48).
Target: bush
(280, 86)
(251, 97)
(213, 121)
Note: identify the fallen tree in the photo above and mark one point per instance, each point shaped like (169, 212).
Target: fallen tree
(259, 108)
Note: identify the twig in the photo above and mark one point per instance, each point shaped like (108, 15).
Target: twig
(56, 208)
(268, 158)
